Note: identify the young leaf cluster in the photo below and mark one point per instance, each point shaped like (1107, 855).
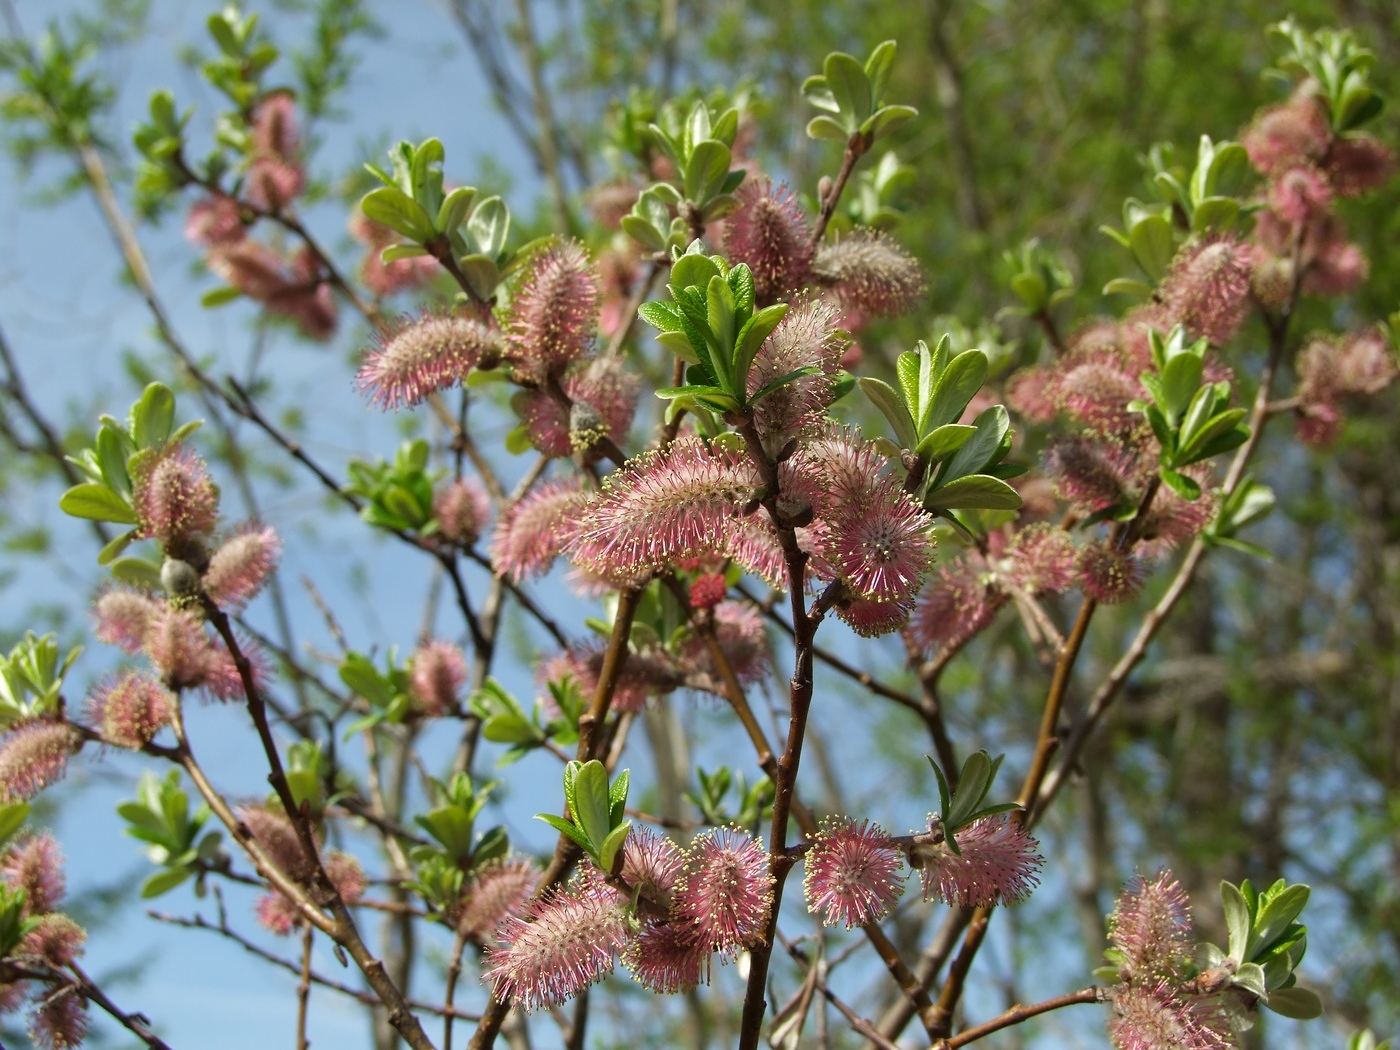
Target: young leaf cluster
(31, 678)
(1191, 419)
(441, 869)
(955, 465)
(236, 70)
(398, 495)
(1341, 68)
(701, 150)
(595, 818)
(503, 719)
(453, 226)
(1266, 944)
(1203, 203)
(711, 323)
(160, 816)
(386, 692)
(118, 454)
(851, 96)
(1246, 503)
(959, 808)
(1038, 277)
(712, 798)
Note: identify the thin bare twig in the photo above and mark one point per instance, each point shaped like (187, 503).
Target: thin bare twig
(222, 928)
(304, 985)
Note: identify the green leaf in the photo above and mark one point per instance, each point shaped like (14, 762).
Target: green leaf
(661, 315)
(752, 334)
(1117, 235)
(697, 127)
(887, 120)
(96, 503)
(892, 407)
(184, 430)
(152, 416)
(1197, 414)
(1238, 922)
(395, 252)
(1166, 437)
(878, 67)
(617, 797)
(452, 827)
(706, 171)
(564, 827)
(910, 368)
(943, 441)
(12, 818)
(1180, 380)
(1250, 976)
(849, 86)
(726, 126)
(644, 233)
(364, 680)
(823, 127)
(979, 451)
(510, 728)
(164, 882)
(400, 502)
(692, 271)
(489, 226)
(454, 208)
(1128, 286)
(1273, 920)
(1031, 289)
(1151, 241)
(973, 783)
(709, 394)
(1205, 151)
(1206, 441)
(943, 796)
(611, 846)
(1298, 1003)
(393, 208)
(816, 91)
(1228, 169)
(114, 448)
(1238, 545)
(781, 381)
(425, 172)
(1214, 213)
(137, 571)
(719, 316)
(980, 491)
(481, 273)
(1183, 485)
(954, 389)
(591, 805)
(219, 297)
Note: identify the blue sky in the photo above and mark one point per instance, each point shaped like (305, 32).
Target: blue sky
(66, 315)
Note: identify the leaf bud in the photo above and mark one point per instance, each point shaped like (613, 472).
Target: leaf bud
(180, 580)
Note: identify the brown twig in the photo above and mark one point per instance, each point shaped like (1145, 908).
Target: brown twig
(454, 971)
(308, 935)
(365, 998)
(137, 1024)
(1017, 1014)
(856, 147)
